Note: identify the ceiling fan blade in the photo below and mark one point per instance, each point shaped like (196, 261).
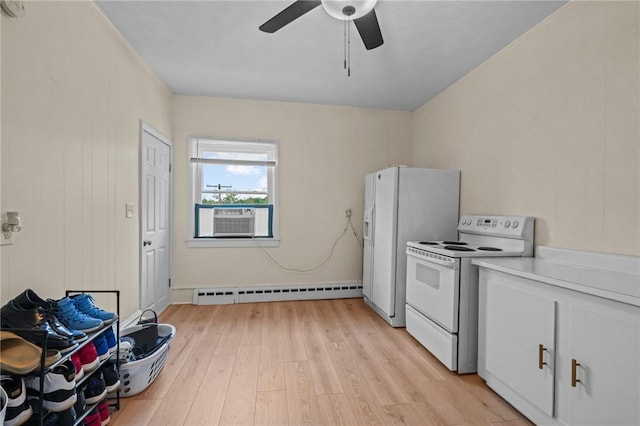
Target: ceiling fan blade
(369, 30)
(291, 13)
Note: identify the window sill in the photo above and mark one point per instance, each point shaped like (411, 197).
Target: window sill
(232, 242)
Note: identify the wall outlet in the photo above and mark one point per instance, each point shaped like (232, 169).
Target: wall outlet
(128, 210)
(6, 239)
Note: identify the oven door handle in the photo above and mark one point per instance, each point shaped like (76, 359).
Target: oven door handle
(448, 263)
(426, 257)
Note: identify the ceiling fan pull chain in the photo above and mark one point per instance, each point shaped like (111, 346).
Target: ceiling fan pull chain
(348, 50)
(345, 44)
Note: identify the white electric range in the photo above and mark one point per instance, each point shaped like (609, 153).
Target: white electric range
(442, 284)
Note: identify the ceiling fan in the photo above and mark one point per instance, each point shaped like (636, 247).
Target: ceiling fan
(361, 12)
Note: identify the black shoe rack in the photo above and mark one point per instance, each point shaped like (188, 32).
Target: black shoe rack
(41, 413)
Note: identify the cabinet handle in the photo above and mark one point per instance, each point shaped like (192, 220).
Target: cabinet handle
(574, 373)
(541, 350)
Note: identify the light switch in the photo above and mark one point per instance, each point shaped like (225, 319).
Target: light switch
(129, 210)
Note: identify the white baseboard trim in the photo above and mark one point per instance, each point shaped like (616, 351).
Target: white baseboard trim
(131, 320)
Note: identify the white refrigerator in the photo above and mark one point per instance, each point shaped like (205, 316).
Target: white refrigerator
(403, 204)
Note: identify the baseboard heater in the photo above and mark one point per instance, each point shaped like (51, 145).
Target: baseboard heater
(223, 296)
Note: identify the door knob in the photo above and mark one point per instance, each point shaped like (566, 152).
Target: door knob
(146, 243)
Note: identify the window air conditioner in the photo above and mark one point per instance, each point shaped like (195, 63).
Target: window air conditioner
(233, 222)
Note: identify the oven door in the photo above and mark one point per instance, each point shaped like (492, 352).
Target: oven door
(433, 288)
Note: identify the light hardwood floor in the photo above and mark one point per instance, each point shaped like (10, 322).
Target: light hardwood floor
(326, 362)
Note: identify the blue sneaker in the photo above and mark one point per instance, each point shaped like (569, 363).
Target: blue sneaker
(73, 318)
(101, 347)
(84, 303)
(111, 340)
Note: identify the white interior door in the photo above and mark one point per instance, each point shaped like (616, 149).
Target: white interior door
(155, 220)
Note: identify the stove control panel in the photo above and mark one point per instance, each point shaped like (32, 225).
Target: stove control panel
(505, 226)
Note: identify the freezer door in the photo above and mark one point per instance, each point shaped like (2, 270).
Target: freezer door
(368, 236)
(384, 245)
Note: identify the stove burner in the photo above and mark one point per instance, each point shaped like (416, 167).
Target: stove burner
(456, 243)
(458, 248)
(489, 249)
(429, 243)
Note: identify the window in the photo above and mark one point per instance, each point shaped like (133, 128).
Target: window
(233, 182)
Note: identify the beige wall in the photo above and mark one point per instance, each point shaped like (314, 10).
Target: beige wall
(325, 152)
(73, 95)
(549, 127)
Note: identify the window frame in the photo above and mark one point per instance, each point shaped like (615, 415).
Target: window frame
(194, 144)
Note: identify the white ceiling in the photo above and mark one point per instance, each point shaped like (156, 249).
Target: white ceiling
(214, 48)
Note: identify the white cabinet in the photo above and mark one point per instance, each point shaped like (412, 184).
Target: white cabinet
(520, 340)
(558, 355)
(603, 357)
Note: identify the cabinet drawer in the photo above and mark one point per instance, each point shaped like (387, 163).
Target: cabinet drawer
(441, 344)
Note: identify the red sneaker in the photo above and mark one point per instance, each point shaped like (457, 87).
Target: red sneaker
(75, 358)
(89, 357)
(103, 410)
(93, 419)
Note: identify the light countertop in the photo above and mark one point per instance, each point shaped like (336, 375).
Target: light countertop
(620, 285)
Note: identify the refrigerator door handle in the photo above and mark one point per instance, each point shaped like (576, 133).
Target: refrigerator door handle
(372, 225)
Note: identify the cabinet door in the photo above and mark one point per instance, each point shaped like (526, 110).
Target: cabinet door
(606, 347)
(517, 322)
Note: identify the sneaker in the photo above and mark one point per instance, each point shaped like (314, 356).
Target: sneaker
(59, 387)
(93, 419)
(84, 303)
(103, 410)
(111, 376)
(102, 348)
(96, 389)
(18, 408)
(125, 350)
(111, 340)
(77, 363)
(28, 299)
(81, 405)
(88, 357)
(67, 417)
(30, 324)
(59, 326)
(49, 419)
(72, 317)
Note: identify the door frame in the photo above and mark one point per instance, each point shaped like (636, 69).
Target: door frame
(145, 127)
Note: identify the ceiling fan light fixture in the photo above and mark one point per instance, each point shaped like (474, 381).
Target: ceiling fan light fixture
(348, 9)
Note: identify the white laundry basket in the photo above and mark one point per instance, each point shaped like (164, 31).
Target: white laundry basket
(136, 376)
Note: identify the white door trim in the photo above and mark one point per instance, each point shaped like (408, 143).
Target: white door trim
(146, 128)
